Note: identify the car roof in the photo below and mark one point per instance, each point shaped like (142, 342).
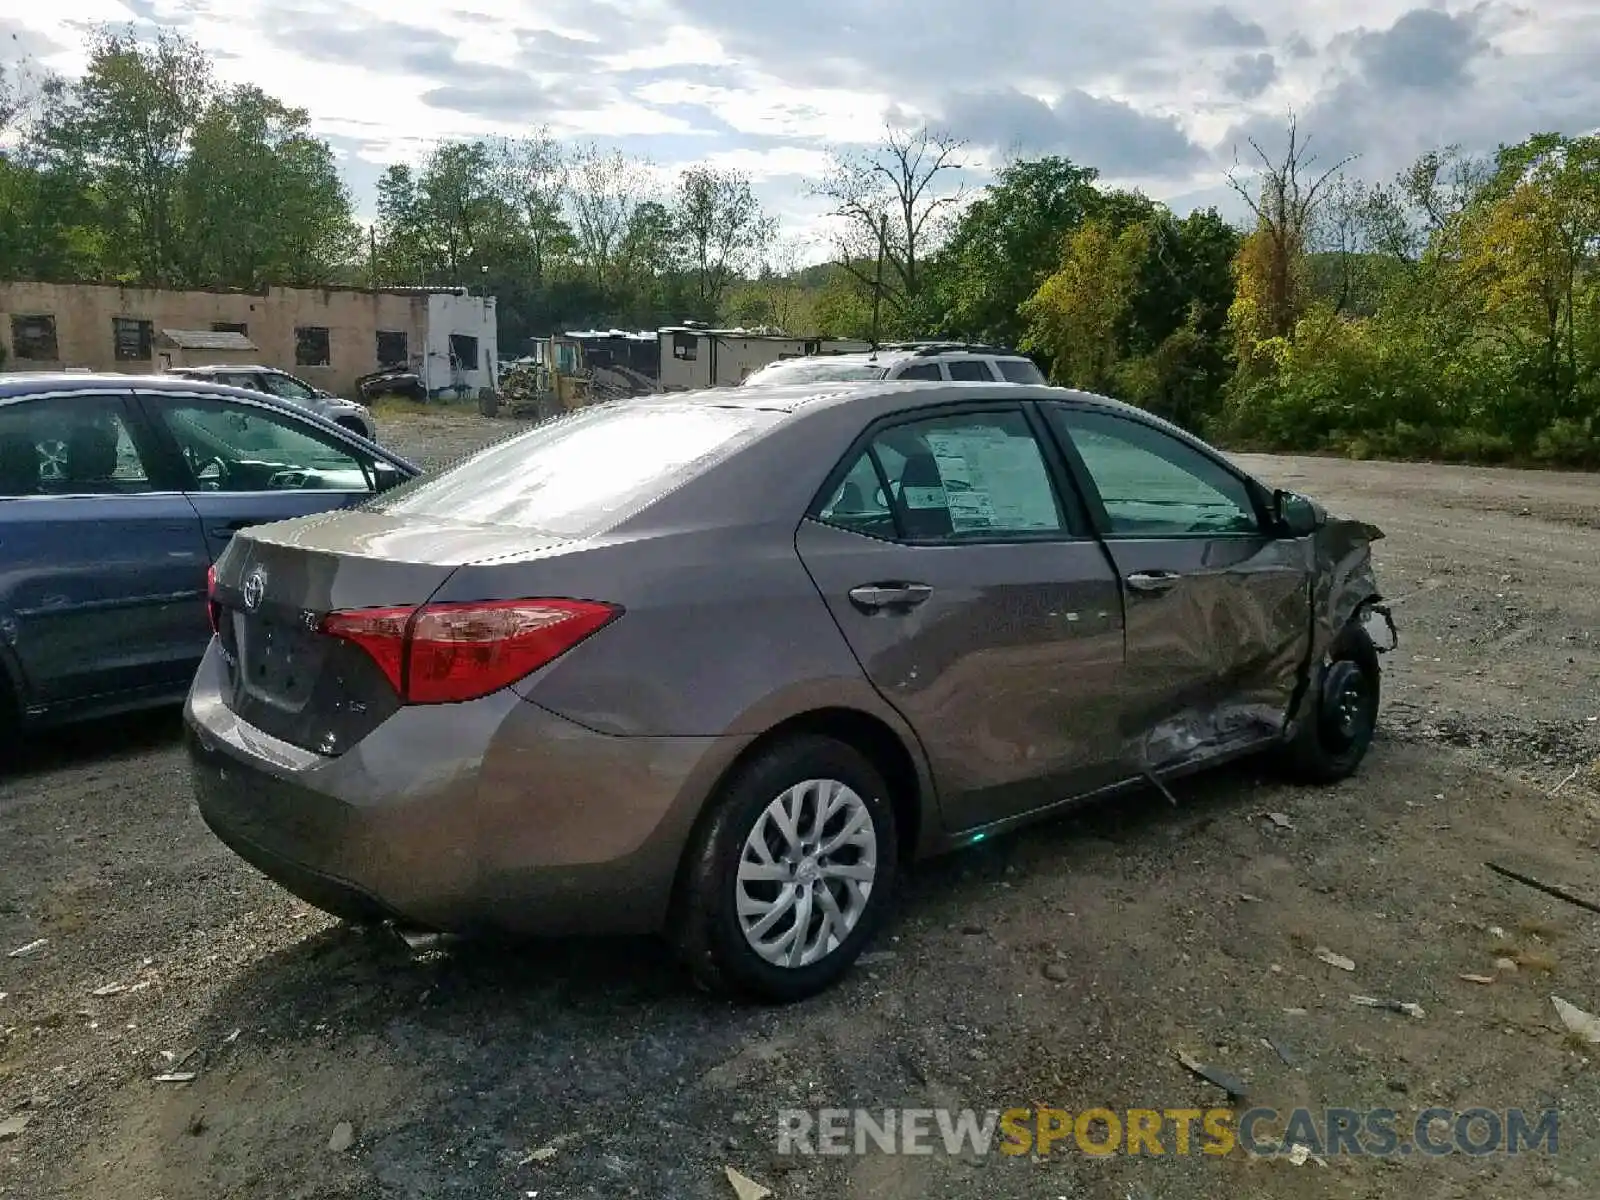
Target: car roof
(15, 385)
(895, 355)
(896, 394)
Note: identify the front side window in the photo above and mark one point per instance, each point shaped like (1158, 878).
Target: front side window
(241, 448)
(578, 475)
(921, 371)
(288, 387)
(69, 446)
(973, 476)
(1151, 483)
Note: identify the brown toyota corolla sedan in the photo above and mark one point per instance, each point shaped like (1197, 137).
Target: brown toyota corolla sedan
(718, 664)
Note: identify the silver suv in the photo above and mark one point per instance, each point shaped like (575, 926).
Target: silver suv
(354, 417)
(956, 361)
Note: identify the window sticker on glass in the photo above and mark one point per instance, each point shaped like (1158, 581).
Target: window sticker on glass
(994, 480)
(926, 497)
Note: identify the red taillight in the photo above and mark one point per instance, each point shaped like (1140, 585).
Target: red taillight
(444, 653)
(212, 609)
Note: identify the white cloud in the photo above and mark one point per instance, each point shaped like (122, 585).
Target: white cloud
(1155, 91)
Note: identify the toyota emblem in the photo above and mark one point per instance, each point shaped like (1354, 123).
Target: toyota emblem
(255, 587)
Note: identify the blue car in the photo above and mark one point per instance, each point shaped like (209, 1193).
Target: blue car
(117, 492)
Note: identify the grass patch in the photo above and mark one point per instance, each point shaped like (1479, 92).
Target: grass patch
(400, 406)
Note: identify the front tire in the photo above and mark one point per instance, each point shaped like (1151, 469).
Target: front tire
(1341, 714)
(791, 874)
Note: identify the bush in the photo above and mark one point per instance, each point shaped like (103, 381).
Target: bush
(1568, 443)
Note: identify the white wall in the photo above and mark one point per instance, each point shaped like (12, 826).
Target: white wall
(473, 316)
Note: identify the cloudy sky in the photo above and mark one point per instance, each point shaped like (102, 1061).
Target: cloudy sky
(1155, 93)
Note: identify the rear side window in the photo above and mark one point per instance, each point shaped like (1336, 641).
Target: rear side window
(976, 476)
(921, 371)
(970, 370)
(579, 475)
(1018, 370)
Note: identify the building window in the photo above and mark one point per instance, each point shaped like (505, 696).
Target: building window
(463, 352)
(33, 339)
(311, 346)
(392, 348)
(132, 339)
(686, 346)
(238, 327)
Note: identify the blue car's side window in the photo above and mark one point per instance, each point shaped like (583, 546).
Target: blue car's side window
(71, 446)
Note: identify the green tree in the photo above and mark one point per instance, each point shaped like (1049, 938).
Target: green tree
(719, 229)
(261, 199)
(128, 125)
(1004, 245)
(1078, 317)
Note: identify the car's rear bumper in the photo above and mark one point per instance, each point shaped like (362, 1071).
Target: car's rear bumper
(496, 815)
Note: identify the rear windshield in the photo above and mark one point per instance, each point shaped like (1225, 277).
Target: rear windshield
(810, 371)
(1018, 370)
(578, 475)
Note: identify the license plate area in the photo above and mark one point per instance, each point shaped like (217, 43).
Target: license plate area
(278, 661)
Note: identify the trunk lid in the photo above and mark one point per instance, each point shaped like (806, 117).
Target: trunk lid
(275, 583)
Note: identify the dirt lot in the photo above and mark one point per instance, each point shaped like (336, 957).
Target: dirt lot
(1065, 966)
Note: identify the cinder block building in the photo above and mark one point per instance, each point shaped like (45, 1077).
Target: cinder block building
(329, 337)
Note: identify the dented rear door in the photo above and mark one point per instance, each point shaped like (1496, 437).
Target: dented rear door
(1218, 608)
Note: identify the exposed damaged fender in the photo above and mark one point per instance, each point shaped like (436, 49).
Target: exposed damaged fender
(1344, 589)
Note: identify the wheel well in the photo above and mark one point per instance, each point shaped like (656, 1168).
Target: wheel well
(873, 738)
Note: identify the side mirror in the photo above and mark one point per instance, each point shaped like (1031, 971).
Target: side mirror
(385, 476)
(1295, 515)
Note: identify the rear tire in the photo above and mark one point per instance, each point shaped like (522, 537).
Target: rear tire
(776, 905)
(1341, 714)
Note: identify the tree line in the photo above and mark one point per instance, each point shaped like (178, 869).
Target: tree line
(1452, 311)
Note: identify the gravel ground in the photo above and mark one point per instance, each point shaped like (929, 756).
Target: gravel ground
(1066, 966)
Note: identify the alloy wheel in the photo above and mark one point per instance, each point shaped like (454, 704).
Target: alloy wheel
(806, 872)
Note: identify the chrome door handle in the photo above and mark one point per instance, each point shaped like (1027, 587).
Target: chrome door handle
(873, 596)
(1153, 581)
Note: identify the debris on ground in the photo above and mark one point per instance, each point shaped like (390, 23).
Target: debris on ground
(542, 1154)
(110, 989)
(30, 948)
(1231, 1084)
(1547, 888)
(1585, 1025)
(1409, 1008)
(1334, 960)
(1300, 1154)
(13, 1126)
(877, 958)
(1281, 820)
(176, 1077)
(1470, 978)
(342, 1138)
(746, 1188)
(1277, 1046)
